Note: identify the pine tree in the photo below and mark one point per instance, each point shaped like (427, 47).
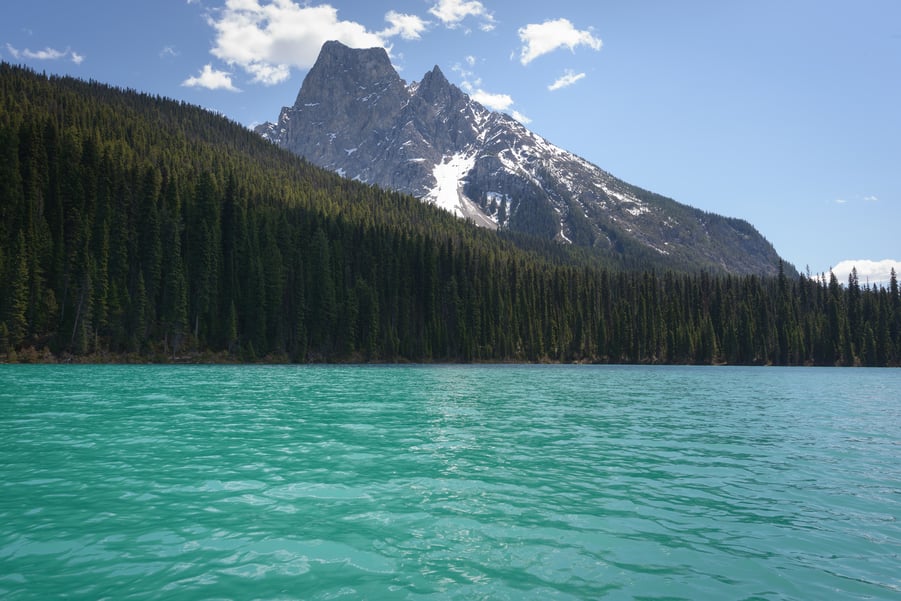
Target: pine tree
(17, 319)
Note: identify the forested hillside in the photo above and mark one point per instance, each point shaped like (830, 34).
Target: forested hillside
(138, 228)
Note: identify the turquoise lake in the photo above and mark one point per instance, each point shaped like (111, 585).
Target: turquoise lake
(449, 482)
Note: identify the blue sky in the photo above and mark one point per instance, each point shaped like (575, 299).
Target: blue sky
(784, 113)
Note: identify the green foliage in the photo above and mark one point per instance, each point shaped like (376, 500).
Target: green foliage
(133, 224)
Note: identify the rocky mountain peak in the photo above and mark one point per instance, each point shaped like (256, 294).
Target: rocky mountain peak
(340, 70)
(356, 116)
(435, 87)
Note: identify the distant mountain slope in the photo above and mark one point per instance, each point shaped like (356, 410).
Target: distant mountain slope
(356, 116)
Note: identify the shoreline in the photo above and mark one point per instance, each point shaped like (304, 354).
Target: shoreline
(32, 356)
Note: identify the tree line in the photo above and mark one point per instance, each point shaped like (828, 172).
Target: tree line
(138, 228)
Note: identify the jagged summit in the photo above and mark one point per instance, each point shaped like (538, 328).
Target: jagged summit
(356, 116)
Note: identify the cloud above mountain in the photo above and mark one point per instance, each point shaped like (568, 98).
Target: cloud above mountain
(268, 40)
(472, 85)
(409, 27)
(452, 13)
(543, 38)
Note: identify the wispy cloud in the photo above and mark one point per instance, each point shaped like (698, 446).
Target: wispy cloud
(567, 79)
(168, 52)
(869, 199)
(211, 79)
(268, 39)
(542, 38)
(452, 13)
(472, 85)
(521, 118)
(47, 54)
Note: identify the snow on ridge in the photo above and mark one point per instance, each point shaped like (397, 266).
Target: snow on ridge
(636, 210)
(514, 163)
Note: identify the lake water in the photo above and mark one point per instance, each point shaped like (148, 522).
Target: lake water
(449, 482)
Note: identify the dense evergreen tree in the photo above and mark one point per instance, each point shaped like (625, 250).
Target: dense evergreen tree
(135, 227)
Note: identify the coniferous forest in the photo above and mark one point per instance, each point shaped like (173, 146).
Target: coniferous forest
(135, 228)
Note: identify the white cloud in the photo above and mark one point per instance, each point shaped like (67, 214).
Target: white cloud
(268, 39)
(868, 271)
(168, 52)
(47, 54)
(496, 102)
(470, 82)
(567, 79)
(857, 199)
(211, 79)
(521, 118)
(409, 27)
(459, 68)
(540, 39)
(452, 13)
(472, 85)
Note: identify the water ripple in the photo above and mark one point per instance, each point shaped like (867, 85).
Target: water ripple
(449, 482)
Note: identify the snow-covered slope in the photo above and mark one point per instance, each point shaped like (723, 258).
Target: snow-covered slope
(356, 116)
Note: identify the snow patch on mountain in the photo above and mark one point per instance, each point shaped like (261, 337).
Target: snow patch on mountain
(448, 193)
(450, 175)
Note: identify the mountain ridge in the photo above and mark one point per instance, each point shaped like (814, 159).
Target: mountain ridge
(354, 115)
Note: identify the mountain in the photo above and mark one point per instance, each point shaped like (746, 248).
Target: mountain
(354, 115)
(135, 228)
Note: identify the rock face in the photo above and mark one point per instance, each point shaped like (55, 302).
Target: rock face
(356, 116)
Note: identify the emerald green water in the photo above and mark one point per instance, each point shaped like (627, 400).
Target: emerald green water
(449, 482)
